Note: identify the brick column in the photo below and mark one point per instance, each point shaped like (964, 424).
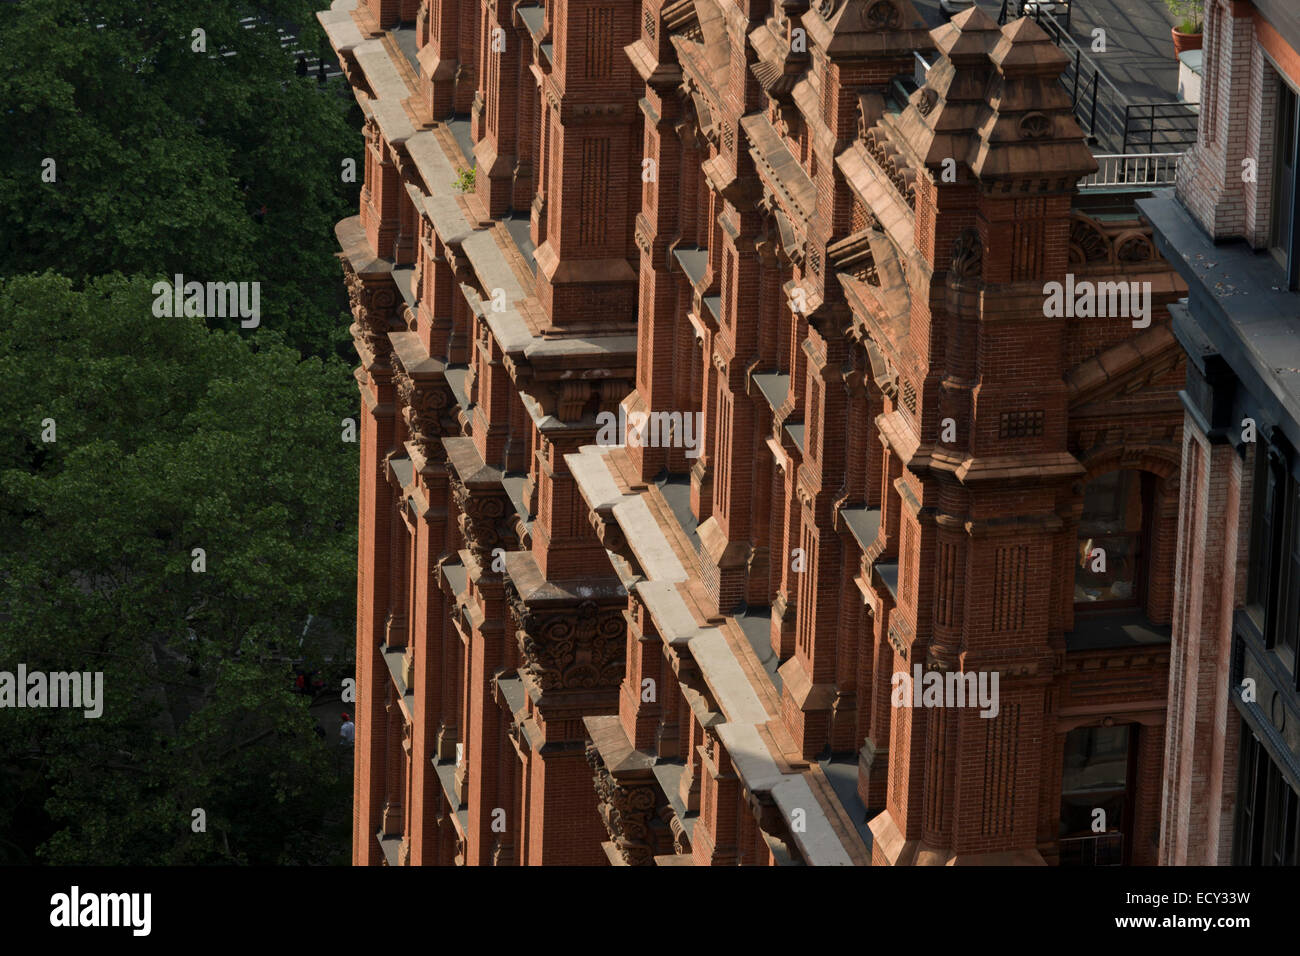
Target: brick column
(438, 58)
(583, 273)
(1209, 175)
(725, 536)
(1196, 826)
(497, 149)
(373, 300)
(656, 226)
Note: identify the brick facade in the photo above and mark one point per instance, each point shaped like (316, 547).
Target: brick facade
(579, 652)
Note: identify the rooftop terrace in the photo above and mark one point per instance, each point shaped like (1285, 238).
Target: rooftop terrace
(1127, 95)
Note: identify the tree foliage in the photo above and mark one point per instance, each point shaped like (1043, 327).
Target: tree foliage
(223, 168)
(168, 437)
(133, 155)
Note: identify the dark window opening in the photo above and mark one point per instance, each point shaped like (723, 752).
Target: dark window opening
(1114, 533)
(1268, 810)
(1097, 796)
(1273, 580)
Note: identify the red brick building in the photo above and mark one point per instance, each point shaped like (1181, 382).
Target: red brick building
(875, 440)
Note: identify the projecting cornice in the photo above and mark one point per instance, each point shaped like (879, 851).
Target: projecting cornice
(1127, 367)
(779, 170)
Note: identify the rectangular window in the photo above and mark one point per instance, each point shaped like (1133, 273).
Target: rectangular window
(1268, 810)
(1112, 548)
(1097, 776)
(1262, 534)
(1284, 236)
(1273, 581)
(1285, 173)
(1285, 637)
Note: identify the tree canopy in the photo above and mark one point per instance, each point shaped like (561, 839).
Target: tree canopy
(138, 440)
(166, 161)
(133, 153)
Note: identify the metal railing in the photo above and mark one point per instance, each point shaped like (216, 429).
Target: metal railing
(1104, 849)
(1105, 113)
(1011, 9)
(1162, 126)
(920, 68)
(1121, 171)
(1098, 104)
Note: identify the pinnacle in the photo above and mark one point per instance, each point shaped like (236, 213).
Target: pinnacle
(969, 35)
(1025, 49)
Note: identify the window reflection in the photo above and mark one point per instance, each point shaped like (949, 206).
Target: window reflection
(1095, 776)
(1110, 552)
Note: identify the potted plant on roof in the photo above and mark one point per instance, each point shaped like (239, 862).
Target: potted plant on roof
(1187, 34)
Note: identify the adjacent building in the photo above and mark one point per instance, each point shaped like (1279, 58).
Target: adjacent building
(1232, 793)
(771, 452)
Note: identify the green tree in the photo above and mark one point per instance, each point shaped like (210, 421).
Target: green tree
(167, 437)
(164, 158)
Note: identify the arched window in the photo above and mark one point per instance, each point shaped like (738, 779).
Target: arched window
(1110, 570)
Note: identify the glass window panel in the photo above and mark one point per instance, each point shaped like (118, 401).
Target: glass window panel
(1110, 540)
(1293, 838)
(1096, 758)
(1268, 811)
(1077, 812)
(1289, 624)
(1260, 547)
(1286, 847)
(1275, 815)
(1258, 809)
(1110, 575)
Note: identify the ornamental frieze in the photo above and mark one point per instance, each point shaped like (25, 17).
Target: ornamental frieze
(892, 164)
(1093, 243)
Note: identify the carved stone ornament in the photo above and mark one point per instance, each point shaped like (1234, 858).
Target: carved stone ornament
(423, 406)
(1035, 125)
(1134, 247)
(374, 304)
(1088, 243)
(582, 647)
(891, 163)
(611, 536)
(943, 657)
(485, 521)
(882, 15)
(627, 812)
(967, 255)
